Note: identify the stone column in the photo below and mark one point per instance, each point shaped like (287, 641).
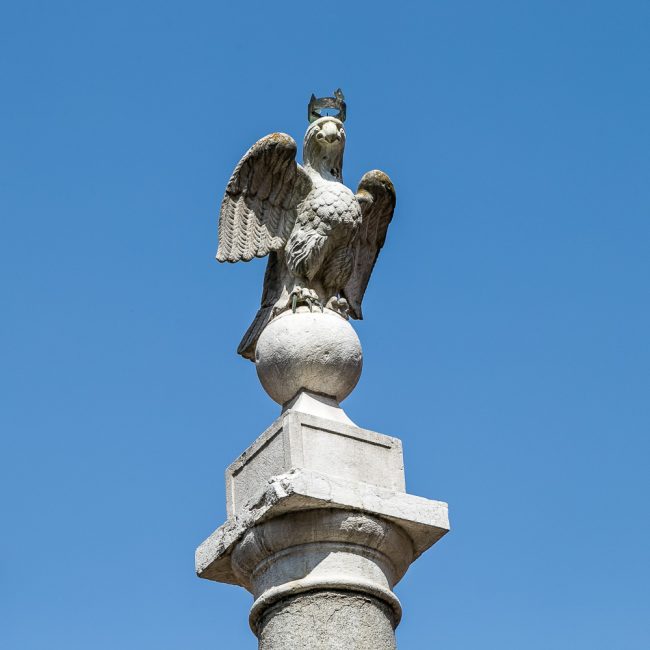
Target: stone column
(328, 620)
(320, 528)
(322, 579)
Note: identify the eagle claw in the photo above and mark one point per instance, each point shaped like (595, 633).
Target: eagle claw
(307, 296)
(339, 305)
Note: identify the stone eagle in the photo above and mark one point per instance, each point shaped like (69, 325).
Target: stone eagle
(321, 238)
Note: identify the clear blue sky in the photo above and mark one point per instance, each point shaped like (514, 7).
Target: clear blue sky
(506, 333)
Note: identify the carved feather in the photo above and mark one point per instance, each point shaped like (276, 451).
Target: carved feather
(376, 195)
(258, 210)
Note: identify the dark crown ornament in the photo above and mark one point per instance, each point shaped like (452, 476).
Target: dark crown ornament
(316, 106)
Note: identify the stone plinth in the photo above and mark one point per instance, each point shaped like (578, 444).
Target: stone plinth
(302, 440)
(319, 521)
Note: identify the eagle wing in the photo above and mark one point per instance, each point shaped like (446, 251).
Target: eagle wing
(376, 195)
(259, 207)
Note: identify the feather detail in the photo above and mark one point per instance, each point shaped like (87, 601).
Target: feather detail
(376, 196)
(259, 207)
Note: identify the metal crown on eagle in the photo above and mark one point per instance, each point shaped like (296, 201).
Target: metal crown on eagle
(322, 239)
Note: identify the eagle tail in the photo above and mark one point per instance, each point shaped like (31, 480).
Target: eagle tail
(249, 341)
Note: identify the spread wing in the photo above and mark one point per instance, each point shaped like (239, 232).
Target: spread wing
(259, 207)
(376, 195)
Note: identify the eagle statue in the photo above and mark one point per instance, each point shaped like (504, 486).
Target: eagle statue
(322, 239)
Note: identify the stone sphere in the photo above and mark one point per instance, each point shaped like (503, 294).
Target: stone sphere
(315, 351)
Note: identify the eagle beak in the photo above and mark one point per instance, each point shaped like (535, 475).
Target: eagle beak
(329, 132)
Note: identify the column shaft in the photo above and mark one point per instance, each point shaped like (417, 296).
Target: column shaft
(328, 620)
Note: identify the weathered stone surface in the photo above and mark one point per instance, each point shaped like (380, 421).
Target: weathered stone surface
(320, 530)
(310, 350)
(328, 620)
(319, 549)
(298, 440)
(423, 520)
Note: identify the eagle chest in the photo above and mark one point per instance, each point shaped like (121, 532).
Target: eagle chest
(332, 209)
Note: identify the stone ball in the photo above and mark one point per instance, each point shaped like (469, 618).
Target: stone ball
(315, 351)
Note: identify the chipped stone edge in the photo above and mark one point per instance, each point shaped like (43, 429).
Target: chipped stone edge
(293, 427)
(424, 520)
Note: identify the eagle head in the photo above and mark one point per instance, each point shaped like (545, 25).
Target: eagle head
(324, 145)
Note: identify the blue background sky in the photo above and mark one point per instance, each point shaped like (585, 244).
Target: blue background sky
(506, 331)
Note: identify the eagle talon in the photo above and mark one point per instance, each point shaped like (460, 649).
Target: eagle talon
(340, 306)
(307, 296)
(311, 302)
